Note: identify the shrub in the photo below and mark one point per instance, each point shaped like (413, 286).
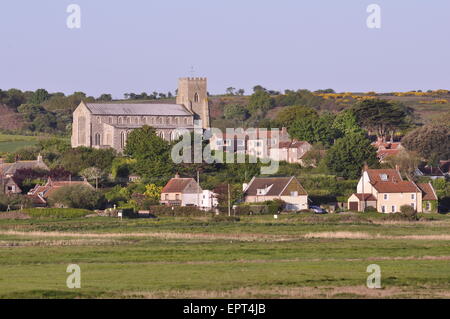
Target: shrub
(408, 210)
(56, 212)
(222, 218)
(370, 209)
(77, 196)
(187, 211)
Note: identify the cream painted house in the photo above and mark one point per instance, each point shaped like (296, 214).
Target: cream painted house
(287, 189)
(387, 192)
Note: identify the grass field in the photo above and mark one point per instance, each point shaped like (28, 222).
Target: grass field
(296, 256)
(11, 143)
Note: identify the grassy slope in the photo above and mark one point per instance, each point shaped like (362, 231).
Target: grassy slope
(11, 143)
(256, 257)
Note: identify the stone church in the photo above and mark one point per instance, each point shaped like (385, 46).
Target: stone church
(107, 125)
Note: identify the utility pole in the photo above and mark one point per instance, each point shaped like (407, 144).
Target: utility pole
(198, 188)
(229, 200)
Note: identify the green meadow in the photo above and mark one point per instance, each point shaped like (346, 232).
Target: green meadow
(11, 143)
(295, 256)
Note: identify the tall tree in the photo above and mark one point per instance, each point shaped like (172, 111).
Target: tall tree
(348, 155)
(382, 117)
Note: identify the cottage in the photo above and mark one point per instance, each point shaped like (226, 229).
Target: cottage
(8, 171)
(433, 172)
(40, 193)
(291, 151)
(287, 189)
(187, 192)
(387, 149)
(386, 191)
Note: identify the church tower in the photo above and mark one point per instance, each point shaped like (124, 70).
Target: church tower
(193, 94)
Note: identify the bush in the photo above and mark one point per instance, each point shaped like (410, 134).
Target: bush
(178, 211)
(77, 196)
(408, 210)
(56, 212)
(222, 218)
(370, 209)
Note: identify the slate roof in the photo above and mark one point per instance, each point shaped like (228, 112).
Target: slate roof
(137, 109)
(11, 168)
(427, 191)
(276, 186)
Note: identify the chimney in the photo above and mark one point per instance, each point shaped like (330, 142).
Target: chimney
(366, 167)
(283, 131)
(39, 158)
(177, 175)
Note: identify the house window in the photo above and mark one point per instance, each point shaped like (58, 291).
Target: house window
(177, 196)
(260, 191)
(196, 99)
(386, 196)
(384, 177)
(219, 142)
(294, 194)
(413, 196)
(393, 209)
(428, 205)
(383, 209)
(166, 196)
(123, 139)
(413, 205)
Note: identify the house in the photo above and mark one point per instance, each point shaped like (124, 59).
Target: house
(208, 200)
(433, 172)
(386, 191)
(290, 151)
(445, 167)
(386, 149)
(181, 192)
(254, 142)
(40, 193)
(287, 189)
(8, 170)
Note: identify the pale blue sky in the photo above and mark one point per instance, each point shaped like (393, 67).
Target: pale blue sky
(145, 45)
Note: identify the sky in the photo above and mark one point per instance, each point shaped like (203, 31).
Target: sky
(146, 45)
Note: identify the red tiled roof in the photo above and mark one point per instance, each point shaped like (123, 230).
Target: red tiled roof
(427, 191)
(396, 187)
(368, 197)
(392, 175)
(177, 185)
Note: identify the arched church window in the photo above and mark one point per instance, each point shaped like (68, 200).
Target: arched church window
(97, 139)
(186, 120)
(167, 120)
(110, 120)
(120, 121)
(136, 120)
(143, 120)
(99, 119)
(196, 98)
(123, 139)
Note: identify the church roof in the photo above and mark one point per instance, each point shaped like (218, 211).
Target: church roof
(137, 109)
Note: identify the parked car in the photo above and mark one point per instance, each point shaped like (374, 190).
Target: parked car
(317, 210)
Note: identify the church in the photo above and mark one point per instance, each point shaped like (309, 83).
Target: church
(107, 125)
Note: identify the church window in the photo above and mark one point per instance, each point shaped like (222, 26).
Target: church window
(99, 119)
(97, 139)
(128, 120)
(196, 99)
(120, 121)
(110, 120)
(81, 130)
(123, 139)
(136, 120)
(168, 120)
(175, 120)
(186, 120)
(151, 120)
(159, 120)
(144, 120)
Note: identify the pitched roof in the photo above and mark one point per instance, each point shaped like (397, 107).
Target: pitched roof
(44, 191)
(396, 187)
(368, 197)
(11, 168)
(177, 185)
(428, 192)
(430, 170)
(137, 109)
(375, 175)
(274, 186)
(444, 166)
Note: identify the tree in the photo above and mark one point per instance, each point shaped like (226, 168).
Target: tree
(315, 129)
(348, 155)
(153, 192)
(261, 102)
(431, 141)
(345, 122)
(105, 97)
(92, 173)
(235, 112)
(289, 114)
(39, 97)
(77, 196)
(230, 90)
(382, 117)
(152, 154)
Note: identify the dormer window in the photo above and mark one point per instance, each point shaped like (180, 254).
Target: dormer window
(384, 177)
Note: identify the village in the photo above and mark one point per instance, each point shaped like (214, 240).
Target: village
(136, 139)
